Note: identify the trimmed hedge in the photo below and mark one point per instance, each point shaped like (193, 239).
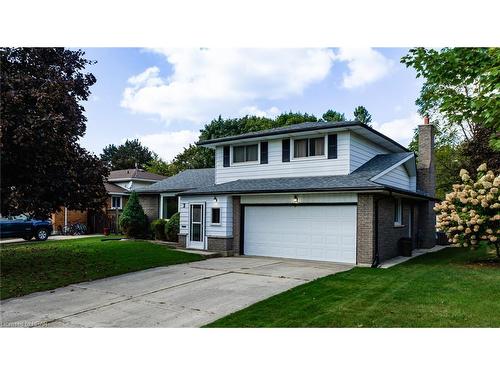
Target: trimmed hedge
(158, 229)
(172, 227)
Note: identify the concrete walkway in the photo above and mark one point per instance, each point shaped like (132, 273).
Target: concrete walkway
(51, 238)
(415, 253)
(185, 295)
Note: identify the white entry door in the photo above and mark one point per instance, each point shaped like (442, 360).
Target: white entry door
(196, 226)
(325, 233)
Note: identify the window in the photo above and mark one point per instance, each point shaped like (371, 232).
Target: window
(309, 147)
(215, 215)
(170, 206)
(116, 202)
(398, 212)
(242, 154)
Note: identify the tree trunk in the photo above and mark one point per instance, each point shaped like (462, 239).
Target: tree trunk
(498, 249)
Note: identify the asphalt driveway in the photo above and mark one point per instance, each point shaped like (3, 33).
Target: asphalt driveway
(185, 295)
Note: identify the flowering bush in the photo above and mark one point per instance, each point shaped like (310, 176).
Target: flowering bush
(470, 214)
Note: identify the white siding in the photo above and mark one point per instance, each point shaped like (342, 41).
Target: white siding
(224, 202)
(276, 168)
(362, 150)
(303, 198)
(398, 177)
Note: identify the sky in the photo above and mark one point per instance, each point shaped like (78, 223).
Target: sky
(164, 96)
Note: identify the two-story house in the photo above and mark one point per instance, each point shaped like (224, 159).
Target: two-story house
(324, 191)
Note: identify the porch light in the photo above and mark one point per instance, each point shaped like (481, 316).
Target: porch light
(295, 199)
(215, 199)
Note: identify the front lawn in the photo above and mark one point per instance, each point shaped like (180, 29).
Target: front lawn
(450, 288)
(36, 266)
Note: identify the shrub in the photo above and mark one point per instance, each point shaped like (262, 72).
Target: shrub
(133, 220)
(172, 227)
(470, 214)
(158, 229)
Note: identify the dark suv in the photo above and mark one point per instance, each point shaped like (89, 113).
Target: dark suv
(24, 227)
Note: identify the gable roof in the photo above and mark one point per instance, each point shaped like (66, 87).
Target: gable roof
(360, 179)
(112, 188)
(137, 174)
(356, 126)
(185, 180)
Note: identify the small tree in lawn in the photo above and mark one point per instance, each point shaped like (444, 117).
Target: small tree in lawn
(470, 214)
(133, 220)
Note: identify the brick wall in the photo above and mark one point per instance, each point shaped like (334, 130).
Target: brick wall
(73, 217)
(427, 225)
(365, 233)
(236, 225)
(221, 244)
(151, 206)
(388, 234)
(181, 239)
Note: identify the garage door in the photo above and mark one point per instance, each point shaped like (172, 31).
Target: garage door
(326, 233)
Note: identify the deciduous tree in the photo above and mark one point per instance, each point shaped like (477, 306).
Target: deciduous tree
(128, 155)
(460, 90)
(42, 118)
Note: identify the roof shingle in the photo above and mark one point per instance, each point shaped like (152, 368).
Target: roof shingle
(185, 180)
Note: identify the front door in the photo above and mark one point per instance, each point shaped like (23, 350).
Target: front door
(196, 226)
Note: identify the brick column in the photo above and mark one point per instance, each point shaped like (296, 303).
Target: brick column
(365, 233)
(236, 225)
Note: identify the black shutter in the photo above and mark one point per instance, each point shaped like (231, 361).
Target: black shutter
(226, 159)
(263, 152)
(312, 147)
(285, 150)
(332, 146)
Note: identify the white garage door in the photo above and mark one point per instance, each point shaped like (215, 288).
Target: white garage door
(326, 233)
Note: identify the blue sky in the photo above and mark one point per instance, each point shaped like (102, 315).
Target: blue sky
(164, 96)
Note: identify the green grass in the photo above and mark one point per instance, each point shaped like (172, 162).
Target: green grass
(450, 288)
(36, 266)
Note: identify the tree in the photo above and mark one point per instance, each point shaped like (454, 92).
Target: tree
(469, 215)
(291, 118)
(460, 90)
(333, 116)
(361, 114)
(42, 165)
(159, 166)
(193, 157)
(133, 220)
(128, 155)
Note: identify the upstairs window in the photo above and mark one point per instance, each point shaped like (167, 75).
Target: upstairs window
(307, 147)
(243, 154)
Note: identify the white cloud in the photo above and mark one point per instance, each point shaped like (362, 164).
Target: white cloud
(169, 144)
(365, 65)
(400, 129)
(209, 82)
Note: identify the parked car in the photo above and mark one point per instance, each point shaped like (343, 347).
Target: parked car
(24, 227)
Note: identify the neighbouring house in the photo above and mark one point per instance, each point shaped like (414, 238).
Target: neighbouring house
(118, 186)
(327, 191)
(160, 200)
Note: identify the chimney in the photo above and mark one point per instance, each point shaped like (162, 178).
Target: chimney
(426, 183)
(426, 174)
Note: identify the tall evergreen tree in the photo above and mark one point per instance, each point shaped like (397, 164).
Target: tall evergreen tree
(361, 114)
